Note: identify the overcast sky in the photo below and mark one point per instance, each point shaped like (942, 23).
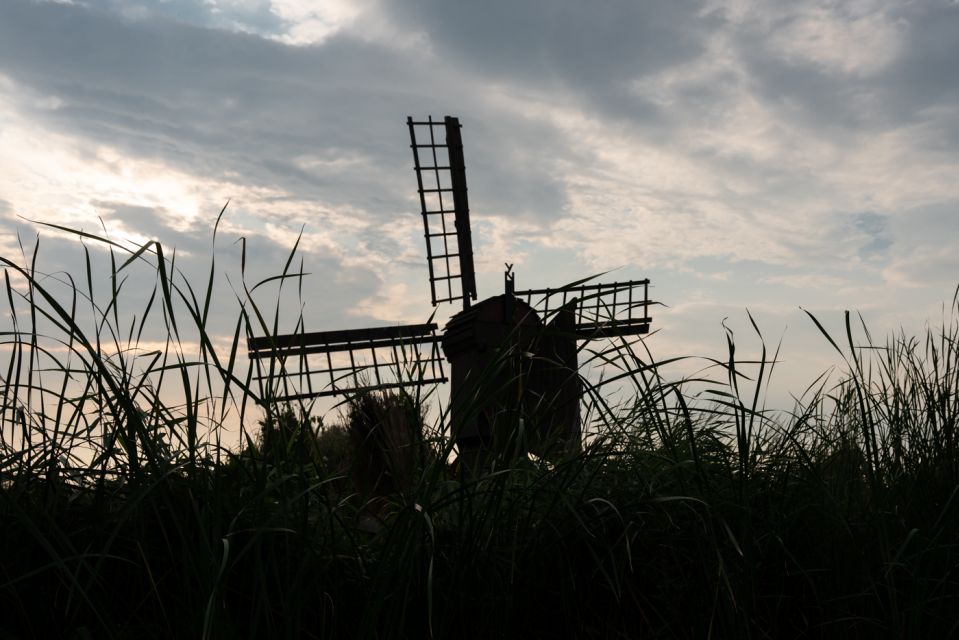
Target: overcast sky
(740, 153)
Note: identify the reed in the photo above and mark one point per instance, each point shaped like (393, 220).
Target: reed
(143, 493)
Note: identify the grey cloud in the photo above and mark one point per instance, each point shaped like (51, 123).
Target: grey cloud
(923, 247)
(192, 247)
(583, 56)
(806, 95)
(923, 75)
(154, 223)
(256, 16)
(197, 87)
(926, 225)
(931, 269)
(512, 171)
(926, 74)
(544, 42)
(219, 104)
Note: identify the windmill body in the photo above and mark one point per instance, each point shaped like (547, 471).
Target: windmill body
(513, 357)
(485, 346)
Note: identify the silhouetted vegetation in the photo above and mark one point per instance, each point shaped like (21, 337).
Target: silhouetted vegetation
(142, 494)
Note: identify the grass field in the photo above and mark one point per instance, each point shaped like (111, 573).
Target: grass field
(143, 494)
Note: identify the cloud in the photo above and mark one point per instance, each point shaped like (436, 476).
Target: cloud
(231, 105)
(923, 247)
(543, 43)
(733, 149)
(925, 74)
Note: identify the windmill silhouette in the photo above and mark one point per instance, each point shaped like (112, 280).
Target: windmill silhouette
(513, 357)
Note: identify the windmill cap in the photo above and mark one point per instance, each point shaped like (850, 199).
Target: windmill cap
(496, 322)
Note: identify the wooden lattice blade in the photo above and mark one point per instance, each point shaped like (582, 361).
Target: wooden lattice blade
(300, 366)
(602, 310)
(444, 205)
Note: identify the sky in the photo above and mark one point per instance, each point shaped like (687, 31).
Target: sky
(775, 157)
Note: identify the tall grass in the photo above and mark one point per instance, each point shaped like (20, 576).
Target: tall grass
(142, 492)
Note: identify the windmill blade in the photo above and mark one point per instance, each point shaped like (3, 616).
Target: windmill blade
(602, 310)
(441, 181)
(301, 366)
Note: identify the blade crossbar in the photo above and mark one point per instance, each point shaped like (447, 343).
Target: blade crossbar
(441, 184)
(602, 310)
(259, 346)
(299, 366)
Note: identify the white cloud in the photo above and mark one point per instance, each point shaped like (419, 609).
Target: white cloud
(847, 37)
(857, 37)
(51, 177)
(809, 281)
(313, 22)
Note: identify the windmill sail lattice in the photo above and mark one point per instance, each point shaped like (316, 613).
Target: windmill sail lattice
(300, 366)
(441, 180)
(601, 310)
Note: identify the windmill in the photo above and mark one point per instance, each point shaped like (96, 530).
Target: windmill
(513, 357)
